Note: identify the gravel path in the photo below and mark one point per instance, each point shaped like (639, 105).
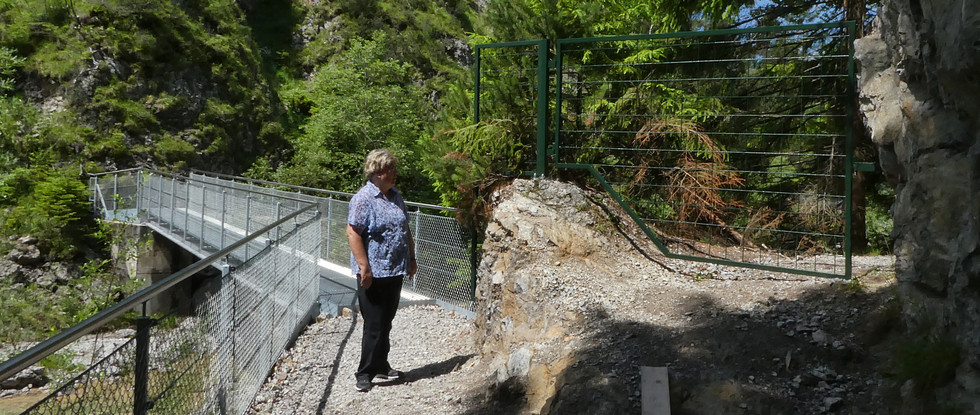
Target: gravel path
(432, 346)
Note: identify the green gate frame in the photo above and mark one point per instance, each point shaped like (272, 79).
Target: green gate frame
(547, 67)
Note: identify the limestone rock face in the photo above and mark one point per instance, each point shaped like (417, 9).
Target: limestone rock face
(533, 311)
(919, 86)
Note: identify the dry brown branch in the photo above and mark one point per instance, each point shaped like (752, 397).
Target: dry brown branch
(695, 187)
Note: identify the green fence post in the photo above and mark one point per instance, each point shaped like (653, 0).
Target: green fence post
(476, 85)
(542, 105)
(849, 161)
(558, 87)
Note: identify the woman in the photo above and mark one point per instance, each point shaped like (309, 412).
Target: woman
(382, 254)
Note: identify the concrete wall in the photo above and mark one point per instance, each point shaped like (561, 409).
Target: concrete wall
(143, 254)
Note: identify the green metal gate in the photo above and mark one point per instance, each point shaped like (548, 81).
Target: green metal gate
(731, 147)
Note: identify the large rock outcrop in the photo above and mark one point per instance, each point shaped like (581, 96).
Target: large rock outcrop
(572, 300)
(920, 95)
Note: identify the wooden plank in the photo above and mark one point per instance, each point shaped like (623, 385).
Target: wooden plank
(654, 391)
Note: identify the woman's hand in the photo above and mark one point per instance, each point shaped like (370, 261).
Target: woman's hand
(366, 277)
(413, 267)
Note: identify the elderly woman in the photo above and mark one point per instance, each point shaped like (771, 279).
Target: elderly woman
(382, 255)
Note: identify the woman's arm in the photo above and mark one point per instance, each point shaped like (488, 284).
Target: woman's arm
(356, 242)
(413, 265)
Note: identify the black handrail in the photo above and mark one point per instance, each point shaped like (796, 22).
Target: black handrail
(44, 349)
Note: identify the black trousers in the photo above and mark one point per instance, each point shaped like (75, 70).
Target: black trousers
(378, 306)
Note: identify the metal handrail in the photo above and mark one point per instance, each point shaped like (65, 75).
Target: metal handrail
(99, 197)
(313, 189)
(178, 177)
(41, 350)
(106, 173)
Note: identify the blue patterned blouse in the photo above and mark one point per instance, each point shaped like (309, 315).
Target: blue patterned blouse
(383, 223)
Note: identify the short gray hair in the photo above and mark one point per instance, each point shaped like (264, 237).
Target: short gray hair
(378, 161)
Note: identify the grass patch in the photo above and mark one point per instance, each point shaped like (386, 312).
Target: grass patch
(929, 362)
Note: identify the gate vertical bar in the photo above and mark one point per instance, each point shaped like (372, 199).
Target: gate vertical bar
(542, 106)
(558, 88)
(476, 85)
(849, 162)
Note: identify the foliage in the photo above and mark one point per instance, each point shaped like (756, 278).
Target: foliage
(471, 153)
(50, 207)
(929, 361)
(32, 314)
(149, 72)
(9, 64)
(361, 102)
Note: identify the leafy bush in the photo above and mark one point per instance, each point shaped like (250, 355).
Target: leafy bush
(50, 205)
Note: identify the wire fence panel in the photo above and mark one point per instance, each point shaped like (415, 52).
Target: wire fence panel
(732, 145)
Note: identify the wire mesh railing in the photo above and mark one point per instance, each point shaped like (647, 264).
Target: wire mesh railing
(444, 248)
(214, 358)
(728, 146)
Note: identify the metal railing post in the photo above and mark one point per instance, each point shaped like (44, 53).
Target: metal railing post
(160, 200)
(418, 218)
(204, 198)
(329, 222)
(224, 196)
(142, 369)
(173, 201)
(278, 216)
(248, 220)
(187, 206)
(115, 193)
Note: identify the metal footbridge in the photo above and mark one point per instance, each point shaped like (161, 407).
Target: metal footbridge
(205, 212)
(282, 255)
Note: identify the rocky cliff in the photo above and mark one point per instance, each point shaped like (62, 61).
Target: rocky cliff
(572, 301)
(919, 87)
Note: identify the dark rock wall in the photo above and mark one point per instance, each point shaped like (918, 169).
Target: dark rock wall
(920, 95)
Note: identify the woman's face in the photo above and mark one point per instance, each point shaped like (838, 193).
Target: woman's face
(388, 176)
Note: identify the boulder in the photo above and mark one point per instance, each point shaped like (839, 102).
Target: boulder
(25, 251)
(11, 271)
(34, 376)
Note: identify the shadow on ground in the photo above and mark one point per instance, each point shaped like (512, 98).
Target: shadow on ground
(818, 354)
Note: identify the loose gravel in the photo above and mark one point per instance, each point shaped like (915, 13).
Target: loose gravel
(432, 346)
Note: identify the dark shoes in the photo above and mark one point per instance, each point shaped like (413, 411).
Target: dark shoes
(391, 375)
(363, 384)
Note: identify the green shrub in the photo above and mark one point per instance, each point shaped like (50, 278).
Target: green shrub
(929, 361)
(52, 206)
(174, 152)
(9, 64)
